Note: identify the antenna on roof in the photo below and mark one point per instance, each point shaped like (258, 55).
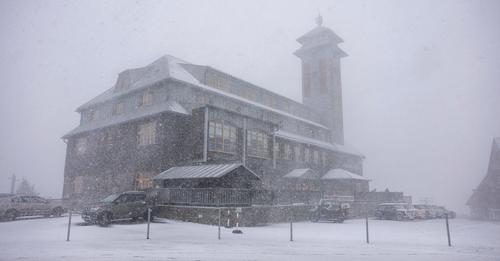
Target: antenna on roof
(319, 20)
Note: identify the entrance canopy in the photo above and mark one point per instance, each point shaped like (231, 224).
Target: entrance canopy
(342, 174)
(301, 174)
(209, 176)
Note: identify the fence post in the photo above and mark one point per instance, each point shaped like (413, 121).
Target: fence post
(149, 221)
(291, 223)
(367, 232)
(220, 212)
(218, 235)
(69, 225)
(448, 229)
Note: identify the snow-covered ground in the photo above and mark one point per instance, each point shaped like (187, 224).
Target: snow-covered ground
(45, 239)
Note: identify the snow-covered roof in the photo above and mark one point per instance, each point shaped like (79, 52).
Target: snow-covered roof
(322, 144)
(301, 174)
(171, 67)
(342, 174)
(131, 80)
(141, 112)
(201, 171)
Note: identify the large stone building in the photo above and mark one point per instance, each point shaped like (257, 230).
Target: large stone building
(175, 113)
(485, 200)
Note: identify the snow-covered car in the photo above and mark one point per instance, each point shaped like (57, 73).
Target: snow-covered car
(330, 210)
(395, 211)
(14, 206)
(122, 206)
(442, 212)
(424, 211)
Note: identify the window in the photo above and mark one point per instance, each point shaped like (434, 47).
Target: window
(298, 157)
(147, 134)
(316, 157)
(81, 146)
(144, 180)
(306, 80)
(257, 144)
(323, 70)
(78, 184)
(118, 108)
(146, 99)
(307, 155)
(286, 151)
(221, 137)
(93, 114)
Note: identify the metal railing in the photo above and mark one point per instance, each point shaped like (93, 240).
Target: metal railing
(230, 197)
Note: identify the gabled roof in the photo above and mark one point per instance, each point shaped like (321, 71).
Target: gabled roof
(301, 174)
(169, 67)
(202, 171)
(483, 194)
(131, 80)
(343, 174)
(322, 144)
(141, 112)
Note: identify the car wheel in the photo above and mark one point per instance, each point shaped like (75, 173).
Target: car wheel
(11, 214)
(104, 219)
(57, 211)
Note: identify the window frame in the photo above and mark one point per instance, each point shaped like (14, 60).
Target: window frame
(222, 137)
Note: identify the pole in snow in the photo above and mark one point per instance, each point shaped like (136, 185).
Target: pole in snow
(448, 229)
(218, 235)
(291, 224)
(69, 226)
(13, 183)
(367, 233)
(149, 221)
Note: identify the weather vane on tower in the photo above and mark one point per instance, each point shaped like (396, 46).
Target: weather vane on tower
(319, 20)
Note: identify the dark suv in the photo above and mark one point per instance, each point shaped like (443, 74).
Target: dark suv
(126, 205)
(330, 210)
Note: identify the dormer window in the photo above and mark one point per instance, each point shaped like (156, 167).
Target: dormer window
(93, 114)
(146, 99)
(118, 108)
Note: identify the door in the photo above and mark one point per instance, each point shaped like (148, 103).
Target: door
(119, 208)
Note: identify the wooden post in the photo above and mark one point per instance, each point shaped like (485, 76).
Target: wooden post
(367, 233)
(291, 224)
(448, 229)
(69, 226)
(149, 221)
(220, 210)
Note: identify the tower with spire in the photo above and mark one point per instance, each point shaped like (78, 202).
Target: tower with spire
(321, 76)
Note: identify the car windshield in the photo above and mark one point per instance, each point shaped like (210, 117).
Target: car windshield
(110, 198)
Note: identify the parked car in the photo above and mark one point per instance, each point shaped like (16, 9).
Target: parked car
(14, 206)
(443, 211)
(433, 211)
(395, 211)
(424, 211)
(122, 206)
(330, 210)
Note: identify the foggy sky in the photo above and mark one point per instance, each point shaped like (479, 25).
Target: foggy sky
(421, 84)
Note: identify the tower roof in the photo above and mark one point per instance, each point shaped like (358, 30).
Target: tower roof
(320, 37)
